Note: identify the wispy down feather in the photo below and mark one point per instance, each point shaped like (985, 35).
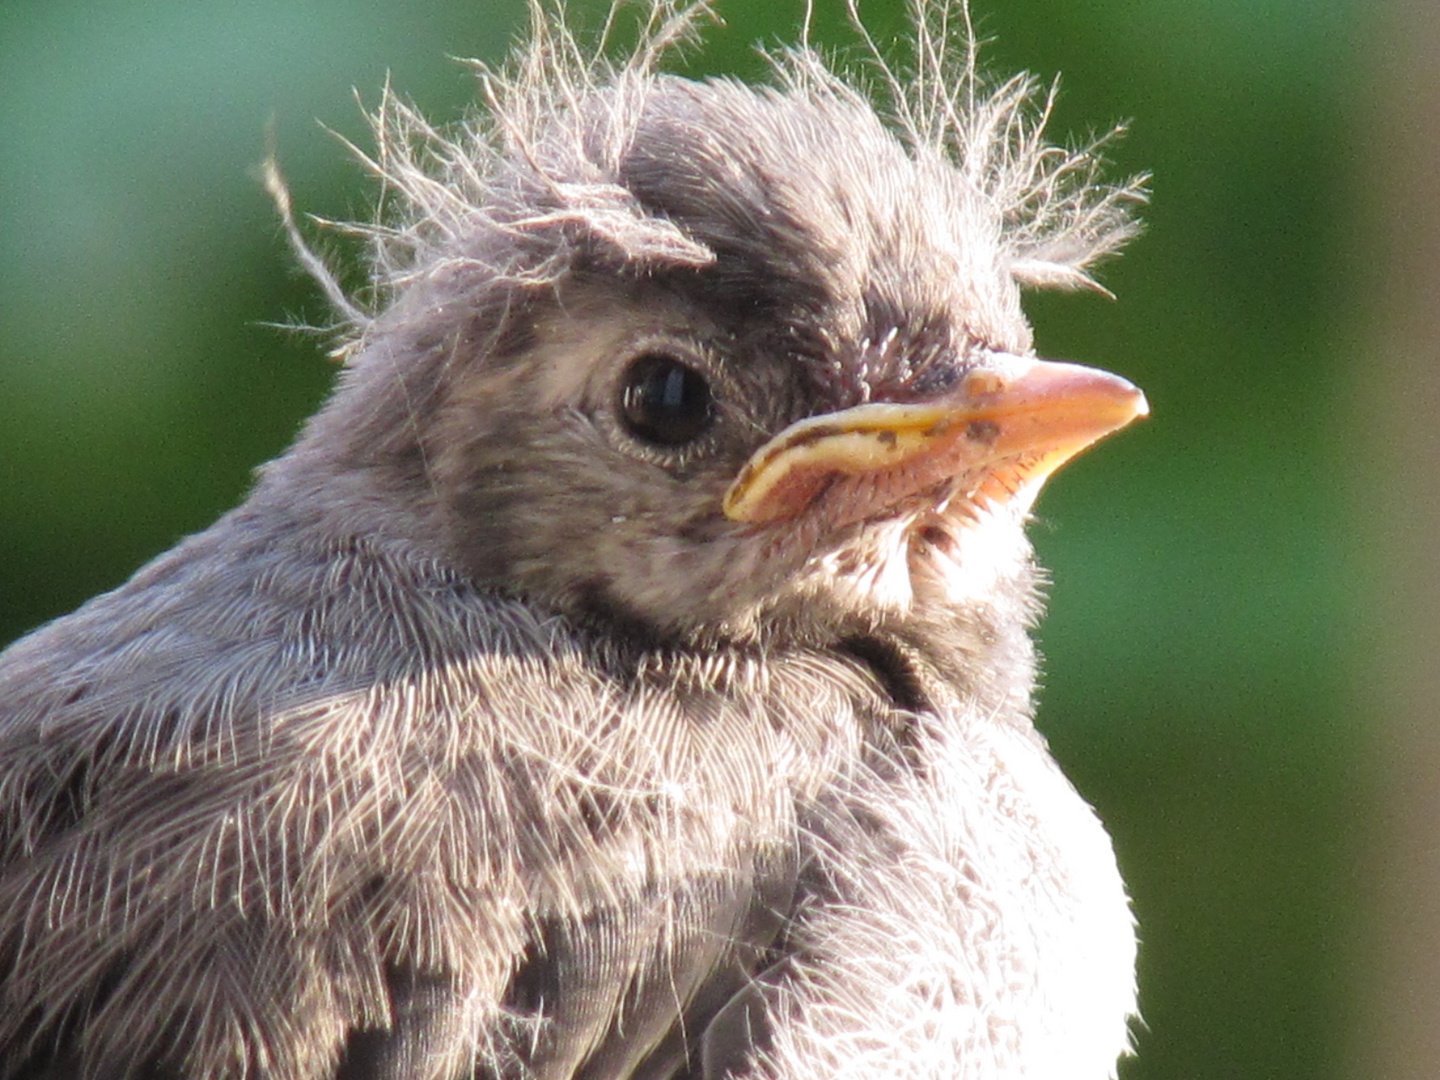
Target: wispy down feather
(505, 192)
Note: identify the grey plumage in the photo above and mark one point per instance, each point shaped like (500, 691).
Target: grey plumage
(489, 737)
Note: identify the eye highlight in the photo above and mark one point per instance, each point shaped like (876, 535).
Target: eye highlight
(664, 401)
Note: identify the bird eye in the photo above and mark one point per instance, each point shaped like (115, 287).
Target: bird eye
(664, 401)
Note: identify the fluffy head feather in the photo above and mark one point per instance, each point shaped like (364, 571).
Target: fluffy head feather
(513, 193)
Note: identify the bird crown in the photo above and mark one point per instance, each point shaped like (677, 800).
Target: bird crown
(535, 172)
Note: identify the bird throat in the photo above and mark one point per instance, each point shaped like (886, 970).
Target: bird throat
(943, 551)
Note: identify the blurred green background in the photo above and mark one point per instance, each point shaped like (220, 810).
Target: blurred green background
(1206, 616)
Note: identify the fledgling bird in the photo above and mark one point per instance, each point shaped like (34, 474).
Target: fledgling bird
(627, 672)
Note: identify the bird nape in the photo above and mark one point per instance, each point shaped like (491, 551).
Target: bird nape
(627, 672)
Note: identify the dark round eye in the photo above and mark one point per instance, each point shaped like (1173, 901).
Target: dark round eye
(664, 401)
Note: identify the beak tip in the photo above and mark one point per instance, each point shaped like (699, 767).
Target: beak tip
(1142, 404)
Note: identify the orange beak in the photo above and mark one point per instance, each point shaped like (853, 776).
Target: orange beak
(1001, 432)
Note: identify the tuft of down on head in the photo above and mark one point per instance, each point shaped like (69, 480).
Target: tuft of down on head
(509, 193)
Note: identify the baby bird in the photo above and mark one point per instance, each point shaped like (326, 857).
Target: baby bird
(626, 674)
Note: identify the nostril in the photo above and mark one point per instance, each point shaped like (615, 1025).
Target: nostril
(983, 384)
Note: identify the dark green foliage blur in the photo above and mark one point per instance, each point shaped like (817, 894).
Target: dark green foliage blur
(1196, 685)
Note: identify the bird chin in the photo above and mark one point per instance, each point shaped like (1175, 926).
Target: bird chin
(947, 549)
(961, 559)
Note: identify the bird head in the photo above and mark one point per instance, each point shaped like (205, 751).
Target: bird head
(727, 363)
